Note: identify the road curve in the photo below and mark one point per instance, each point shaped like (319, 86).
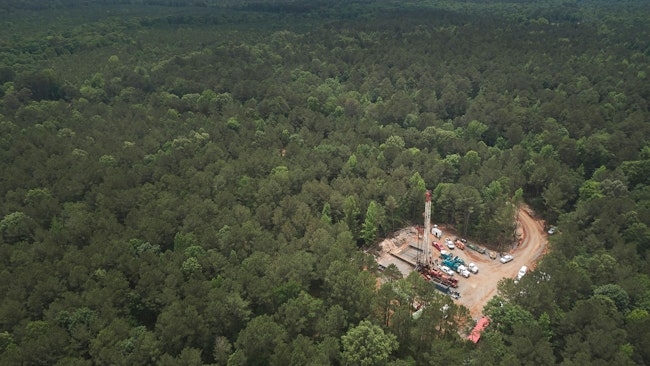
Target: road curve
(482, 287)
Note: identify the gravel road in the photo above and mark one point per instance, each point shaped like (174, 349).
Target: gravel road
(478, 289)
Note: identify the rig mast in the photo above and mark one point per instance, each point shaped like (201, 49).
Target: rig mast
(426, 247)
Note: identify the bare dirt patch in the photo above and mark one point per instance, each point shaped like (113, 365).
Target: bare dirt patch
(479, 288)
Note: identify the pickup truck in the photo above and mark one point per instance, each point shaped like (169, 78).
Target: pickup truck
(522, 272)
(450, 244)
(446, 270)
(472, 268)
(506, 258)
(436, 245)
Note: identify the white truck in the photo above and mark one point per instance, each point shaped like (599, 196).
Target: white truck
(522, 272)
(463, 271)
(472, 268)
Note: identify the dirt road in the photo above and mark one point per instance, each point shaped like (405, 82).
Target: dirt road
(479, 288)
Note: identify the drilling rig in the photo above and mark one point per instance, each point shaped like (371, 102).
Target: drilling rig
(425, 248)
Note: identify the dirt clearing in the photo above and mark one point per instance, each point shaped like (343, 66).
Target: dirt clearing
(479, 288)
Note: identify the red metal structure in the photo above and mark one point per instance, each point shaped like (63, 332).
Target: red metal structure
(475, 335)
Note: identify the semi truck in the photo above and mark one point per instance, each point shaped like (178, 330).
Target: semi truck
(437, 276)
(447, 290)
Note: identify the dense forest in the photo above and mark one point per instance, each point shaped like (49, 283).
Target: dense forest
(202, 182)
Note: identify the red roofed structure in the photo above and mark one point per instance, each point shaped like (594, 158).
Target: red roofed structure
(475, 335)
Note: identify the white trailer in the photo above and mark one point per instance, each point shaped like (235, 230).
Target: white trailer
(436, 232)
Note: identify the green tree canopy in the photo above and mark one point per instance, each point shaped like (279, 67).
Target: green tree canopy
(367, 345)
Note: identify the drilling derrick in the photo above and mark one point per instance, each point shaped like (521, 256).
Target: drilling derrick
(426, 247)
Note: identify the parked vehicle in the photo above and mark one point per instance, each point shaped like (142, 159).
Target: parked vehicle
(522, 272)
(438, 276)
(493, 254)
(450, 244)
(437, 245)
(444, 255)
(451, 264)
(476, 248)
(506, 258)
(448, 280)
(447, 290)
(446, 270)
(459, 244)
(472, 268)
(458, 260)
(463, 271)
(451, 281)
(443, 288)
(552, 230)
(436, 232)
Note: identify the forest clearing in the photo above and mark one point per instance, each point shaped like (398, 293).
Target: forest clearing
(478, 289)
